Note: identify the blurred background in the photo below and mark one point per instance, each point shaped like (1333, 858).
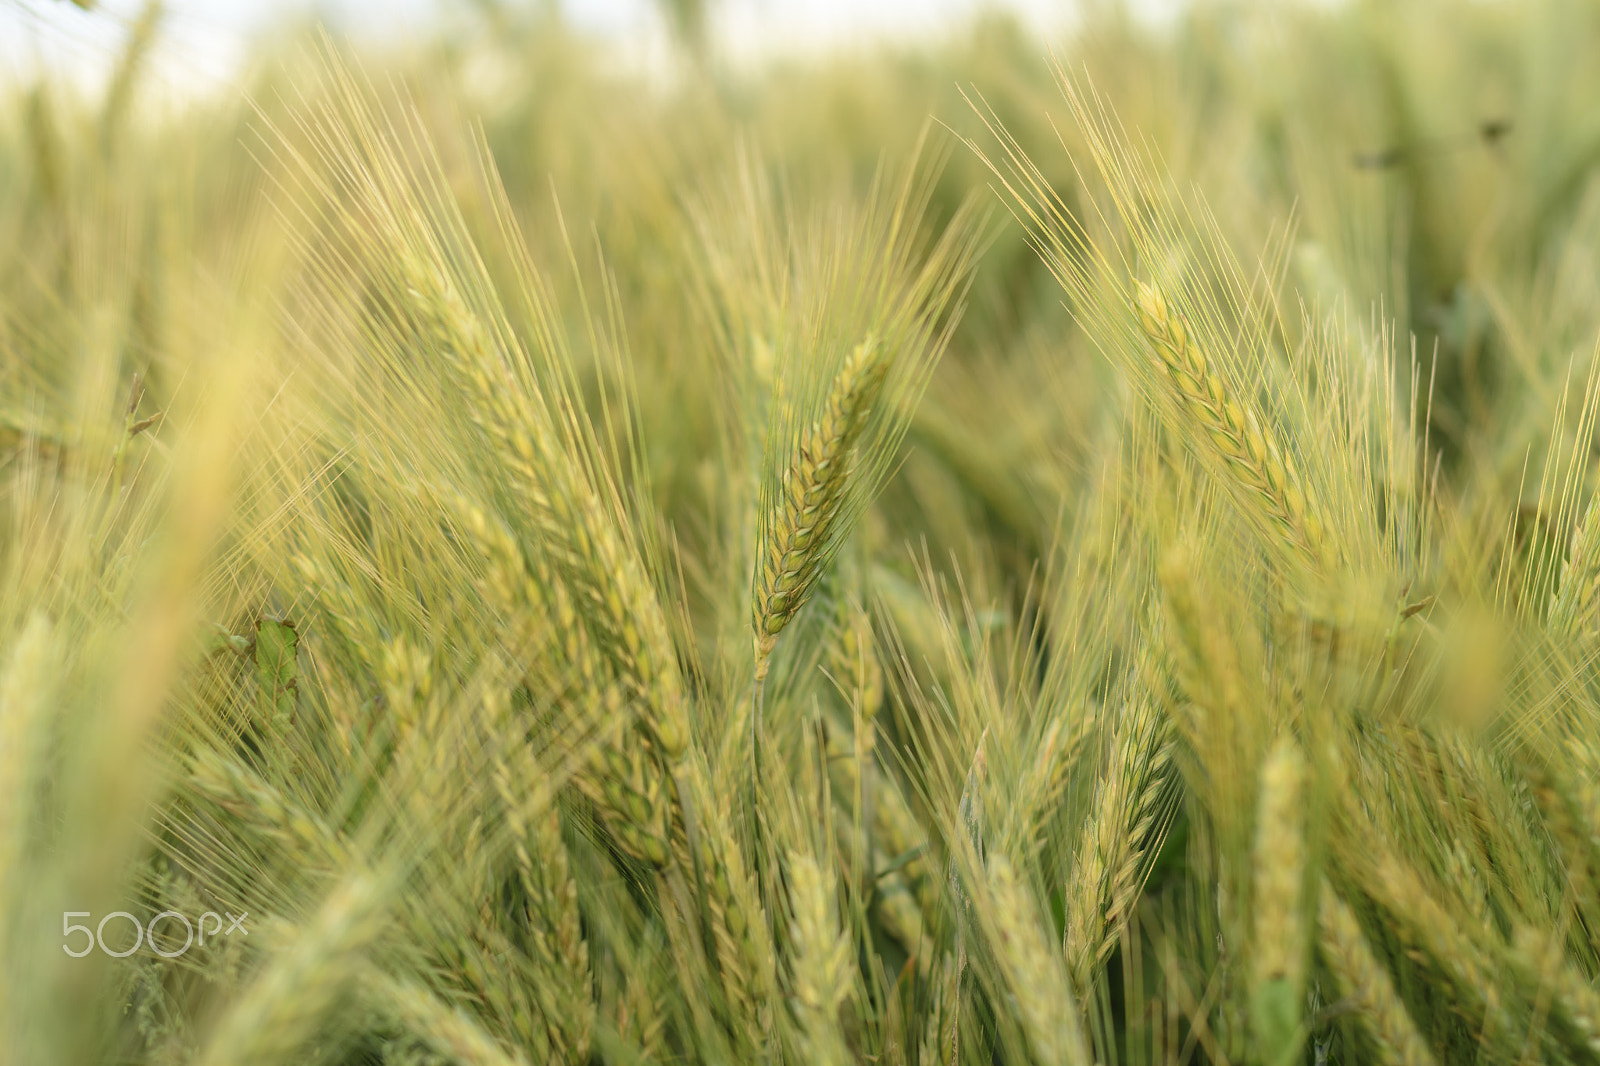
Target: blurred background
(206, 42)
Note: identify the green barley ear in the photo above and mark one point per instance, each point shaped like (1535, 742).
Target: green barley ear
(854, 663)
(1114, 845)
(1368, 986)
(1231, 426)
(822, 959)
(1278, 974)
(1576, 603)
(805, 521)
(1575, 1000)
(556, 944)
(941, 1034)
(301, 984)
(446, 1029)
(1032, 970)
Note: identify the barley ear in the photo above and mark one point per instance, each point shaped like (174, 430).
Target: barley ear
(800, 529)
(445, 1029)
(821, 961)
(1576, 1001)
(556, 942)
(1278, 974)
(1032, 971)
(1576, 603)
(1105, 877)
(300, 985)
(941, 1034)
(1367, 983)
(1231, 426)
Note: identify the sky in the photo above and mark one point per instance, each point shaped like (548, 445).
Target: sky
(205, 41)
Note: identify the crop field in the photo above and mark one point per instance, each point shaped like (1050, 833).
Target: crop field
(981, 549)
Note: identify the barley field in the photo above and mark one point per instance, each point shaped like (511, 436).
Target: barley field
(986, 549)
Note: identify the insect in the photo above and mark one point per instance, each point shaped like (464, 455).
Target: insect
(1490, 133)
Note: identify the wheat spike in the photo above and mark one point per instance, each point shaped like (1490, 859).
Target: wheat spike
(1047, 775)
(903, 838)
(639, 1016)
(939, 1032)
(743, 949)
(854, 664)
(487, 972)
(262, 806)
(896, 840)
(1427, 924)
(401, 236)
(901, 916)
(629, 791)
